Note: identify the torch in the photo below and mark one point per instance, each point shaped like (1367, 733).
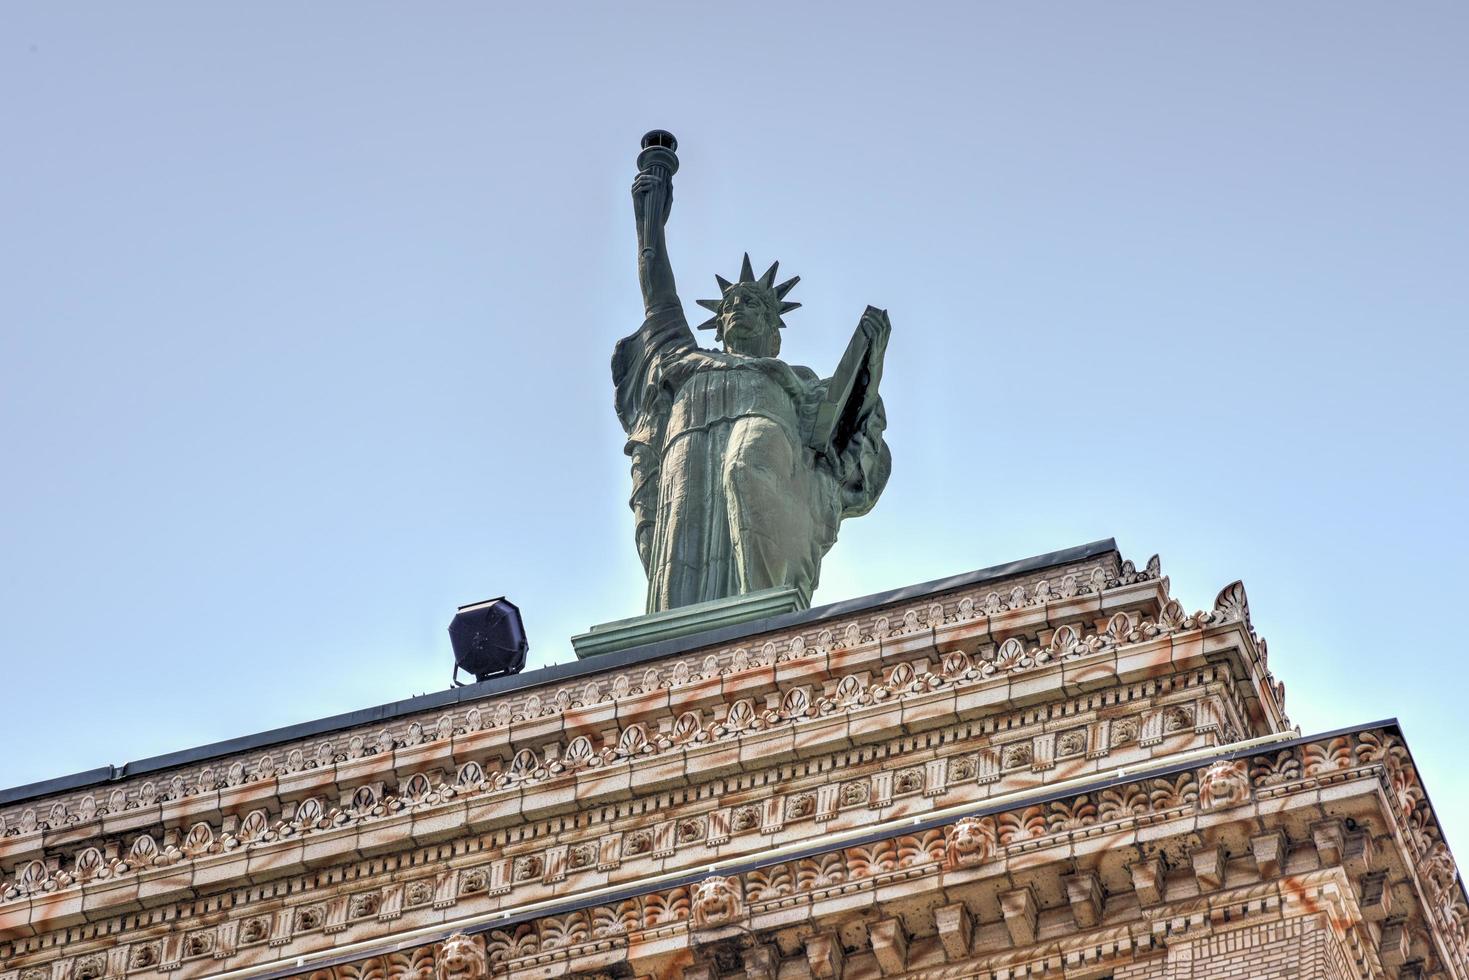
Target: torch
(657, 158)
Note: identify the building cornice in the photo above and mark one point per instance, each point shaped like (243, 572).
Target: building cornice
(563, 674)
(1333, 824)
(754, 728)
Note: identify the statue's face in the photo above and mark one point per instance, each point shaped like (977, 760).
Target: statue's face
(748, 323)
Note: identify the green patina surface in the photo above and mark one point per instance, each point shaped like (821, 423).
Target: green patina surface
(701, 617)
(743, 466)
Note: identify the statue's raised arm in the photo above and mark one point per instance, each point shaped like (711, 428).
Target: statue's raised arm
(742, 466)
(640, 361)
(652, 197)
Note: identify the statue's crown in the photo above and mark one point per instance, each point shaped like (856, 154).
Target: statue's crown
(747, 276)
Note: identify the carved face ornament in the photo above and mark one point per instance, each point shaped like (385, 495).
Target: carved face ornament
(716, 902)
(460, 958)
(971, 842)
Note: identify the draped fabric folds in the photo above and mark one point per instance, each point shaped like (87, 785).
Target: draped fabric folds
(727, 496)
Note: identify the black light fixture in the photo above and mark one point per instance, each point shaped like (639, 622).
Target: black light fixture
(488, 639)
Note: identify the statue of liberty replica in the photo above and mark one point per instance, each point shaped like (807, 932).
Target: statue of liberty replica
(743, 466)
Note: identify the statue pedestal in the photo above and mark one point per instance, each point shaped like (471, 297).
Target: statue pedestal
(624, 634)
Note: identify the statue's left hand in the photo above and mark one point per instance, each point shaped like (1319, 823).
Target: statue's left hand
(876, 327)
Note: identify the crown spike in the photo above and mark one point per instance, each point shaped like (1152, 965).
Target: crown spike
(712, 305)
(747, 274)
(768, 280)
(787, 307)
(710, 324)
(785, 287)
(724, 284)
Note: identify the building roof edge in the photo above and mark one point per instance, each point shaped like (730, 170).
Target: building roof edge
(544, 675)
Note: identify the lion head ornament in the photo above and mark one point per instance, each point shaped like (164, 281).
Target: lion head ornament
(1225, 783)
(971, 842)
(460, 958)
(717, 902)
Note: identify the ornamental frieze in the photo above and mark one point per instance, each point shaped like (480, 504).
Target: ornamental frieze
(852, 693)
(942, 777)
(1357, 859)
(959, 608)
(987, 844)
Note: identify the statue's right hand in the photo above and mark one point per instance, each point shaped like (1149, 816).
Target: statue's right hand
(654, 186)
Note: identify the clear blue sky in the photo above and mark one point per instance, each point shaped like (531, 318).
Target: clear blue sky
(306, 312)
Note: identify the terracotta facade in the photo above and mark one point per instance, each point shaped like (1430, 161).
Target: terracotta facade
(1046, 769)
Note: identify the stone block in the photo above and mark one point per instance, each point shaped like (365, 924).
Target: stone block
(877, 723)
(820, 735)
(326, 847)
(1208, 864)
(124, 822)
(812, 667)
(239, 799)
(1062, 611)
(111, 898)
(1374, 896)
(889, 945)
(1143, 660)
(1035, 685)
(1092, 846)
(220, 870)
(825, 956)
(715, 761)
(645, 708)
(307, 782)
(278, 860)
(1328, 837)
(753, 682)
(1187, 650)
(1147, 881)
(498, 809)
(15, 920)
(63, 909)
(1097, 670)
(603, 784)
(787, 917)
(929, 711)
(589, 720)
(203, 805)
(761, 962)
(1022, 622)
(768, 748)
(982, 698)
(1084, 893)
(380, 836)
(1270, 851)
(955, 929)
(1396, 944)
(1021, 912)
(867, 655)
(526, 732)
(1357, 853)
(165, 885)
(355, 772)
(653, 774)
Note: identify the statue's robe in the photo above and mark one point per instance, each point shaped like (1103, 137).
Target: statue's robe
(728, 497)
